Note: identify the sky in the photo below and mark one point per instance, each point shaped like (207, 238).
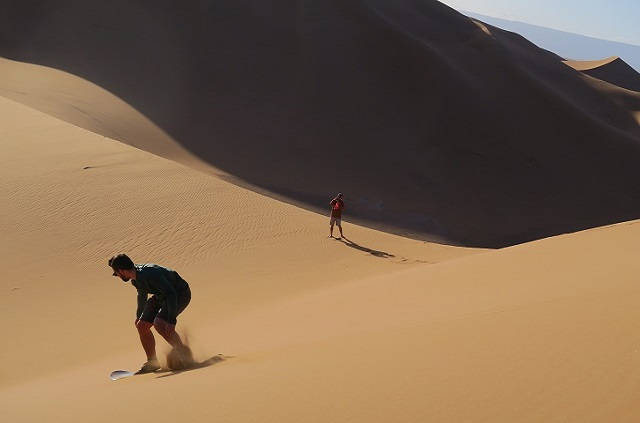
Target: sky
(614, 20)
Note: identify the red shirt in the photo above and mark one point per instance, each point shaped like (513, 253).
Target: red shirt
(336, 207)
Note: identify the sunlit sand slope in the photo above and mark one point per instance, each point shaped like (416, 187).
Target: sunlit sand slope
(314, 330)
(71, 199)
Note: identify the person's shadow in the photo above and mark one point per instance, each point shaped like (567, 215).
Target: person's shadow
(376, 253)
(206, 363)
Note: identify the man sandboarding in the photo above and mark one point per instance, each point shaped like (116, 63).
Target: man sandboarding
(170, 296)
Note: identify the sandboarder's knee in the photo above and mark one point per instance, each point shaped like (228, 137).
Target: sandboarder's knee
(161, 326)
(143, 326)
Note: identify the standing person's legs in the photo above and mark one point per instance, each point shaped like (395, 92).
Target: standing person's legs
(144, 324)
(339, 223)
(332, 221)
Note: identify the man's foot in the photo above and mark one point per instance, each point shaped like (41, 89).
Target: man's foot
(149, 366)
(330, 236)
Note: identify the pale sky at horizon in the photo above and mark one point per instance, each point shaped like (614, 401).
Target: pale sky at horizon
(614, 20)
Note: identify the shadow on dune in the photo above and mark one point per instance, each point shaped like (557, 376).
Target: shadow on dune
(435, 127)
(218, 358)
(617, 72)
(375, 253)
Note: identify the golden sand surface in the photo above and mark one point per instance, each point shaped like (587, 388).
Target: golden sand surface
(383, 329)
(74, 198)
(582, 65)
(196, 147)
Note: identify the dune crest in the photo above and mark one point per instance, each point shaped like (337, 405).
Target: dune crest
(612, 69)
(582, 65)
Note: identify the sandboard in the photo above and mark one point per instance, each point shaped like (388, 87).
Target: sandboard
(119, 374)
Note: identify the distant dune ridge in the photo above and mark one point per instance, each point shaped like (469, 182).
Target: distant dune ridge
(566, 44)
(432, 125)
(612, 69)
(616, 79)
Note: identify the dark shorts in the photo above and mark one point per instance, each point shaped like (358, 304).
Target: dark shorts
(158, 308)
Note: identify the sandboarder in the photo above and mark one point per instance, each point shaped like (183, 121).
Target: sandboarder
(170, 296)
(337, 205)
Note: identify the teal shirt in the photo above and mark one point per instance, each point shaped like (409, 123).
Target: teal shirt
(160, 281)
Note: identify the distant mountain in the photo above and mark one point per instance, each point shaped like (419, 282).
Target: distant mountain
(566, 44)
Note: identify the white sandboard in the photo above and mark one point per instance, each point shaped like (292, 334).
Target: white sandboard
(119, 374)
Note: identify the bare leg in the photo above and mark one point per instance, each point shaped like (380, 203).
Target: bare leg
(340, 227)
(331, 230)
(147, 339)
(181, 356)
(168, 332)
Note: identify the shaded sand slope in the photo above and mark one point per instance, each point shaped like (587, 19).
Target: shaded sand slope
(627, 99)
(72, 198)
(615, 79)
(545, 331)
(78, 101)
(612, 69)
(432, 125)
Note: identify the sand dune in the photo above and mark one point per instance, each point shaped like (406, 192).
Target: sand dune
(567, 44)
(612, 69)
(610, 76)
(315, 330)
(626, 99)
(583, 65)
(74, 198)
(77, 101)
(138, 128)
(433, 127)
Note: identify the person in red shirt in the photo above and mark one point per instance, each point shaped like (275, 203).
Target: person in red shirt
(337, 205)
